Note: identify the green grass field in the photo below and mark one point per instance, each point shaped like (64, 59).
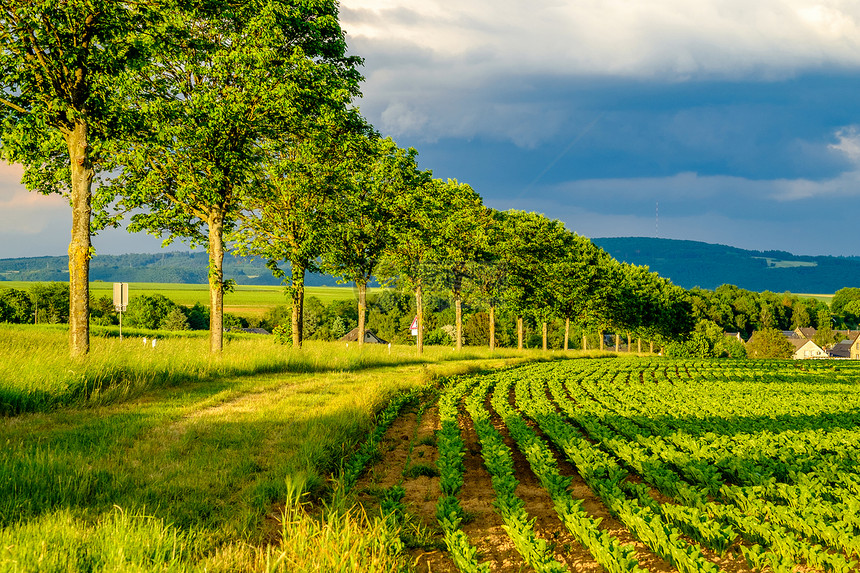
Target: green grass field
(243, 300)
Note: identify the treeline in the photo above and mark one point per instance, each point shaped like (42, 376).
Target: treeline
(238, 130)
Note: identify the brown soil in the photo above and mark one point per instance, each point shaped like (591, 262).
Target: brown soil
(483, 525)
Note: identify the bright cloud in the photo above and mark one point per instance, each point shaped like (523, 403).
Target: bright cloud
(445, 68)
(624, 37)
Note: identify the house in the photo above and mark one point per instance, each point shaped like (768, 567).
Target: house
(736, 335)
(806, 349)
(849, 347)
(369, 337)
(806, 332)
(249, 330)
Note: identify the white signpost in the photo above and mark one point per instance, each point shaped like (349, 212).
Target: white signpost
(120, 301)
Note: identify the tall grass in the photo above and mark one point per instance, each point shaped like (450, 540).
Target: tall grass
(37, 375)
(63, 543)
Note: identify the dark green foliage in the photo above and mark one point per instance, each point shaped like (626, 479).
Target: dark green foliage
(694, 264)
(51, 302)
(738, 310)
(102, 311)
(175, 320)
(15, 306)
(148, 311)
(198, 317)
(476, 330)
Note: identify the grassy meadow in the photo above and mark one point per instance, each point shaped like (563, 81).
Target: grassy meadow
(143, 458)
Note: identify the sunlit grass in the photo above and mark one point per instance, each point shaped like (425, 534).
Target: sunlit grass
(36, 373)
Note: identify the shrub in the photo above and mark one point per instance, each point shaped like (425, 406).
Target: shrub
(175, 320)
(15, 306)
(283, 334)
(769, 343)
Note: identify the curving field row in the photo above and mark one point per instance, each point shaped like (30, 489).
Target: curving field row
(709, 466)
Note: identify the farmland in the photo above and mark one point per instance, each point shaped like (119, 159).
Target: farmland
(327, 458)
(651, 464)
(242, 300)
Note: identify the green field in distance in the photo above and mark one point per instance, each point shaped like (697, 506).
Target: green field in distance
(246, 300)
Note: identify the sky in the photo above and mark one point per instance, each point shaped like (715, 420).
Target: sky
(725, 121)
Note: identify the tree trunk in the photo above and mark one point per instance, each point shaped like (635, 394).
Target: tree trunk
(297, 293)
(519, 333)
(566, 334)
(362, 309)
(543, 327)
(492, 328)
(629, 342)
(419, 313)
(651, 346)
(617, 342)
(459, 269)
(216, 282)
(639, 345)
(82, 174)
(600, 339)
(458, 313)
(584, 342)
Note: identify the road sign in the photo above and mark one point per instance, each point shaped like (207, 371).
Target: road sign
(120, 296)
(414, 327)
(120, 301)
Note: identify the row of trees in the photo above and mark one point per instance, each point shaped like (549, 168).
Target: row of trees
(192, 103)
(232, 126)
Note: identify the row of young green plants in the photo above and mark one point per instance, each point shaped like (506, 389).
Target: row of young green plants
(607, 478)
(601, 415)
(680, 474)
(801, 455)
(600, 474)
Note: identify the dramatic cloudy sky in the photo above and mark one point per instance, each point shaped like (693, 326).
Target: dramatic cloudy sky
(737, 120)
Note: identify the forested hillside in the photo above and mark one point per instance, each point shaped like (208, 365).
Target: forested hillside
(692, 263)
(687, 263)
(166, 267)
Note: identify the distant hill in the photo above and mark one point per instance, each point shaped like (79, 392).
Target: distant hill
(165, 267)
(686, 263)
(692, 263)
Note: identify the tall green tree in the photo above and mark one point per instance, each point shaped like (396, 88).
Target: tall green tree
(531, 246)
(463, 234)
(487, 274)
(292, 215)
(364, 215)
(236, 76)
(416, 239)
(60, 65)
(583, 281)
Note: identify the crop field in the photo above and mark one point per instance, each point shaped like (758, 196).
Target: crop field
(644, 464)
